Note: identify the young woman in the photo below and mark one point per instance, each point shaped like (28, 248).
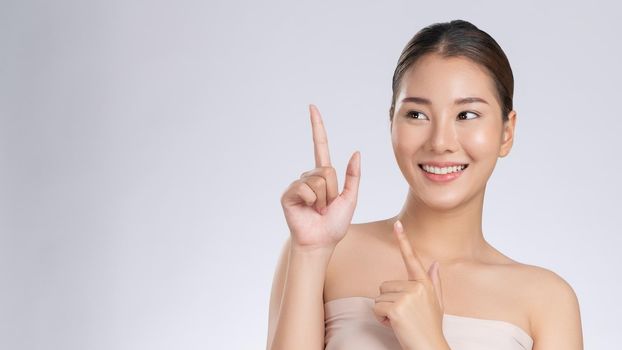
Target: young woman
(426, 278)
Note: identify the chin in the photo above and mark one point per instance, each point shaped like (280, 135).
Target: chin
(447, 202)
(442, 205)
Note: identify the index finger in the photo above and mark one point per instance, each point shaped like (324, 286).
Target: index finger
(415, 269)
(320, 141)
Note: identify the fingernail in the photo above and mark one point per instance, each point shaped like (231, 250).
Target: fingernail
(399, 226)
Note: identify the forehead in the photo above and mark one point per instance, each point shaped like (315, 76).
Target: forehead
(447, 78)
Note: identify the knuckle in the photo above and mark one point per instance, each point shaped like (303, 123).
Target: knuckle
(287, 189)
(328, 170)
(292, 185)
(298, 185)
(309, 180)
(286, 192)
(318, 180)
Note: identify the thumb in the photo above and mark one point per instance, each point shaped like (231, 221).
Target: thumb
(353, 177)
(435, 276)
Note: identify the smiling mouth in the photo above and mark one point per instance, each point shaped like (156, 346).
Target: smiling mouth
(443, 170)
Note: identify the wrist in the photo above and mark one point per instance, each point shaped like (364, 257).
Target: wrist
(311, 251)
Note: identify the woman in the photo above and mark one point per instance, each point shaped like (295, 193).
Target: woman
(425, 278)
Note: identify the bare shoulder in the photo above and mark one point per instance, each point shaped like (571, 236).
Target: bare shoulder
(359, 250)
(555, 319)
(360, 235)
(535, 273)
(545, 283)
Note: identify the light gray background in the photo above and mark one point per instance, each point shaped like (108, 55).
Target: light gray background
(145, 146)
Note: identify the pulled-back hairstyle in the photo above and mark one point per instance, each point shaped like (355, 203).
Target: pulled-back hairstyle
(459, 38)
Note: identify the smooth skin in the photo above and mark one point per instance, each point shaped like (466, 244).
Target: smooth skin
(413, 308)
(442, 222)
(318, 218)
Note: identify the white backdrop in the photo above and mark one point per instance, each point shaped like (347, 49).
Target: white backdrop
(144, 146)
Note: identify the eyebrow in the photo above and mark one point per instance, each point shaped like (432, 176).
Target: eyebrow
(459, 101)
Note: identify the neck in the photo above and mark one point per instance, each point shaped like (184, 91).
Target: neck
(446, 235)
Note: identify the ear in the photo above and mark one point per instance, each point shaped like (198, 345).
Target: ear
(508, 134)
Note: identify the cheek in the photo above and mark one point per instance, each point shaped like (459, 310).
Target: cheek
(406, 140)
(405, 143)
(482, 143)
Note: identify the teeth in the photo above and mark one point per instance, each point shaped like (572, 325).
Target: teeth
(446, 170)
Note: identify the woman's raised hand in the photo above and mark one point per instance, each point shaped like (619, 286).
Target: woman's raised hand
(317, 215)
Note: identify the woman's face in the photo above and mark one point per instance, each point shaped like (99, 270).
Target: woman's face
(435, 128)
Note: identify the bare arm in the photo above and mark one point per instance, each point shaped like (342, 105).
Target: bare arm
(297, 315)
(276, 295)
(557, 324)
(318, 217)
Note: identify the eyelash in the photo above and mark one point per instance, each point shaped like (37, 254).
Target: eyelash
(412, 112)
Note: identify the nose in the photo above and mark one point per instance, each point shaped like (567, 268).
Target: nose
(442, 137)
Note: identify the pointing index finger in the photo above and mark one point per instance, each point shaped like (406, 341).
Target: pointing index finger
(320, 141)
(415, 269)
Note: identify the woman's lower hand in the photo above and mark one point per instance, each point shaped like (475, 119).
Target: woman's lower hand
(413, 308)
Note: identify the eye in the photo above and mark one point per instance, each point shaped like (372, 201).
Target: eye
(464, 112)
(414, 113)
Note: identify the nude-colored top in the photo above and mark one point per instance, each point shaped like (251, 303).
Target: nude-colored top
(351, 325)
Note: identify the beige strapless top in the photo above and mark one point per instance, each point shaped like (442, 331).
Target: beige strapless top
(351, 325)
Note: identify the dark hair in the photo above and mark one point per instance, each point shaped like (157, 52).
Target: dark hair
(459, 38)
